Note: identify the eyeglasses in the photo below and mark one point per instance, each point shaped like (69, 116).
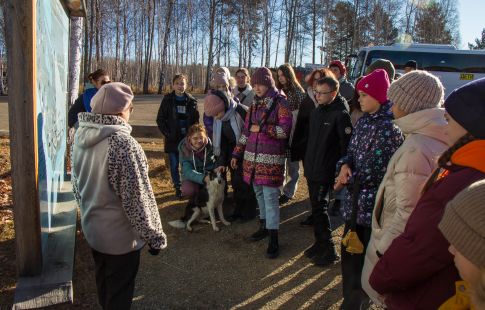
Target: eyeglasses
(105, 82)
(323, 93)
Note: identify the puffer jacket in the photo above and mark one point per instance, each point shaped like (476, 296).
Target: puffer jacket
(264, 152)
(417, 271)
(407, 171)
(111, 185)
(374, 141)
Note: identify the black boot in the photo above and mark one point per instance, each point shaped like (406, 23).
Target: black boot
(322, 252)
(273, 247)
(313, 250)
(329, 256)
(261, 233)
(308, 221)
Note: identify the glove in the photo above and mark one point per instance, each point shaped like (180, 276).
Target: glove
(153, 251)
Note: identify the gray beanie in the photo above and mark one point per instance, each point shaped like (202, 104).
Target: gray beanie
(382, 64)
(463, 223)
(415, 91)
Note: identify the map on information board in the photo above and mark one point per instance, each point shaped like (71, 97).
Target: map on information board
(52, 52)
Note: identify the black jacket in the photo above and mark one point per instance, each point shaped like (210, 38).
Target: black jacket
(330, 130)
(300, 135)
(228, 139)
(168, 123)
(76, 108)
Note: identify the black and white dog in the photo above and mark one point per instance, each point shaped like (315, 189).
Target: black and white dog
(209, 198)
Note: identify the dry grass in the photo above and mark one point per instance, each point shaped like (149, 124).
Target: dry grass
(203, 269)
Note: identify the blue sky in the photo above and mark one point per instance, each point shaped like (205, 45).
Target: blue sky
(472, 20)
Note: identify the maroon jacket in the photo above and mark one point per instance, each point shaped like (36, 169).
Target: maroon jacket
(417, 271)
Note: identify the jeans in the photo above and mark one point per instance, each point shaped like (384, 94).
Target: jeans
(115, 278)
(269, 207)
(292, 174)
(173, 159)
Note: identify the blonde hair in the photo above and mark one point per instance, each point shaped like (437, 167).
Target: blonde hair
(196, 128)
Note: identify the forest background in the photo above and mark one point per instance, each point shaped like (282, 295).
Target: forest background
(145, 42)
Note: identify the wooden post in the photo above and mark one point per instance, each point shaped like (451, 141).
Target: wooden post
(23, 134)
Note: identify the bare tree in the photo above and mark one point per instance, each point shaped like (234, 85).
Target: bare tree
(163, 62)
(210, 55)
(150, 27)
(75, 46)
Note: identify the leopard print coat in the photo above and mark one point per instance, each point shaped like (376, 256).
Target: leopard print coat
(110, 181)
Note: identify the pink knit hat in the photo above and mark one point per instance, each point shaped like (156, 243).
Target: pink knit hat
(213, 104)
(375, 84)
(220, 78)
(112, 98)
(263, 76)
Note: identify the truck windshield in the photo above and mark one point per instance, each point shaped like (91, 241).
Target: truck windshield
(357, 68)
(445, 62)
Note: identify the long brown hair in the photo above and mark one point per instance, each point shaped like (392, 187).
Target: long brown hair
(324, 72)
(445, 158)
(94, 76)
(289, 74)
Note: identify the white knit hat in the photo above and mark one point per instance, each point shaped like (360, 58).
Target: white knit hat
(415, 91)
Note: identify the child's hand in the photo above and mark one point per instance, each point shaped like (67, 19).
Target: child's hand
(337, 186)
(255, 128)
(234, 163)
(207, 179)
(344, 175)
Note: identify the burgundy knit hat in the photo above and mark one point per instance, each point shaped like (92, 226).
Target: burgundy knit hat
(340, 65)
(375, 85)
(214, 103)
(263, 76)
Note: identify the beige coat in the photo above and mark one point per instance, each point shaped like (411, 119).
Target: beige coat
(407, 171)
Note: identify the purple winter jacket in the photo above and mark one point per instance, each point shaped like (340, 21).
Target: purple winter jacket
(263, 153)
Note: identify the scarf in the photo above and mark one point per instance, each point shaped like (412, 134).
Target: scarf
(237, 124)
(470, 155)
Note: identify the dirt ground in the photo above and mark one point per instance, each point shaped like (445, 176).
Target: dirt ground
(203, 269)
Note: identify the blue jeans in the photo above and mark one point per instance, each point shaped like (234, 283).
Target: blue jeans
(269, 207)
(173, 159)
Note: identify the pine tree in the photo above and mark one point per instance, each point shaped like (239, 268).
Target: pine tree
(340, 28)
(431, 25)
(381, 30)
(479, 42)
